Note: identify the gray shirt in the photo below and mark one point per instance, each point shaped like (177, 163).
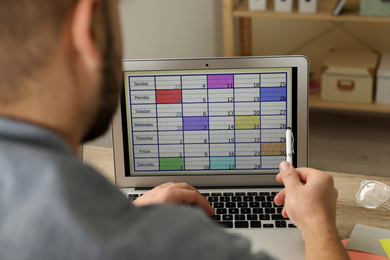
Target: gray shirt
(54, 207)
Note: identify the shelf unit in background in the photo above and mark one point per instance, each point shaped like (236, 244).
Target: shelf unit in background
(238, 10)
(315, 102)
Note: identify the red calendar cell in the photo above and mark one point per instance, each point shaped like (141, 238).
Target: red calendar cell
(168, 96)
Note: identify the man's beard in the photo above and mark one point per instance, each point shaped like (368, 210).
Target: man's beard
(109, 96)
(111, 84)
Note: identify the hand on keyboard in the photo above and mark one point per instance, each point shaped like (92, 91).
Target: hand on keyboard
(175, 193)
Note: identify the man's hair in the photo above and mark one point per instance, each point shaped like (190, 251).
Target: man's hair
(29, 33)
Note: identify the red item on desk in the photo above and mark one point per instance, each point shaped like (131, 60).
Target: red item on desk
(357, 255)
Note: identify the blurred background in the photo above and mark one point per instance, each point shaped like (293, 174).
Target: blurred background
(339, 140)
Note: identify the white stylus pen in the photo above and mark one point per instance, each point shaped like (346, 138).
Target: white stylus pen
(289, 145)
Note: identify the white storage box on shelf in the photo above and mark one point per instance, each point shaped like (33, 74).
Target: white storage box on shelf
(383, 80)
(283, 6)
(349, 76)
(307, 6)
(257, 5)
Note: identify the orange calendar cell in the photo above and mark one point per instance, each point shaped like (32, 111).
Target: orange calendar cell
(273, 149)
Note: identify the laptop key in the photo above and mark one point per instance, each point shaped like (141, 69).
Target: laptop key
(257, 211)
(278, 217)
(242, 204)
(236, 199)
(248, 198)
(224, 199)
(280, 224)
(255, 224)
(227, 217)
(234, 211)
(252, 217)
(264, 217)
(260, 198)
(213, 199)
(266, 204)
(246, 211)
(241, 224)
(218, 205)
(268, 226)
(221, 211)
(231, 205)
(239, 217)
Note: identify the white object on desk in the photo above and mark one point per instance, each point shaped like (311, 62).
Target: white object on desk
(307, 6)
(283, 6)
(257, 5)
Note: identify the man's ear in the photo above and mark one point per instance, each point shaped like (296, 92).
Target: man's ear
(83, 34)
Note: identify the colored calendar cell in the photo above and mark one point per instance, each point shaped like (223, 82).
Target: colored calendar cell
(273, 94)
(168, 96)
(171, 164)
(273, 149)
(222, 163)
(220, 81)
(247, 122)
(195, 123)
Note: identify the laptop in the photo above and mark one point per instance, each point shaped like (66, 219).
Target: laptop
(220, 125)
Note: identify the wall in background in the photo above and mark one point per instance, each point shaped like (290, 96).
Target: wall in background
(169, 29)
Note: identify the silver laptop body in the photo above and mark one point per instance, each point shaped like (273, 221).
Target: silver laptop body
(218, 124)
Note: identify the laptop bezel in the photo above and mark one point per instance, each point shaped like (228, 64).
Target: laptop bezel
(301, 127)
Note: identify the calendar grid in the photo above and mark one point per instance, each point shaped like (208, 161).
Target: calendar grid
(206, 122)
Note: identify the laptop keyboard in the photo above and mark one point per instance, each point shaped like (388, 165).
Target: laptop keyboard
(244, 210)
(247, 210)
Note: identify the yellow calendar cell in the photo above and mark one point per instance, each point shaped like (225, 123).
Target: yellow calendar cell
(247, 122)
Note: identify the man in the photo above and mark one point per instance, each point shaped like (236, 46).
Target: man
(60, 77)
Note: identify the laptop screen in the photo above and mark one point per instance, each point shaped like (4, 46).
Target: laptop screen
(209, 121)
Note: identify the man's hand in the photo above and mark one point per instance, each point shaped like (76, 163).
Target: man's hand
(309, 200)
(175, 193)
(309, 197)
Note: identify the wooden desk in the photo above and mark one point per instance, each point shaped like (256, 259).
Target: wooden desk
(347, 185)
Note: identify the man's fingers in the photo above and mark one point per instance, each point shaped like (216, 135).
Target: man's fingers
(195, 198)
(280, 197)
(175, 193)
(288, 175)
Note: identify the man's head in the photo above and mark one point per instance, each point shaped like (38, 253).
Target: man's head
(75, 43)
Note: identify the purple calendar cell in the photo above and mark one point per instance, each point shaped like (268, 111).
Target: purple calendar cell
(220, 81)
(196, 123)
